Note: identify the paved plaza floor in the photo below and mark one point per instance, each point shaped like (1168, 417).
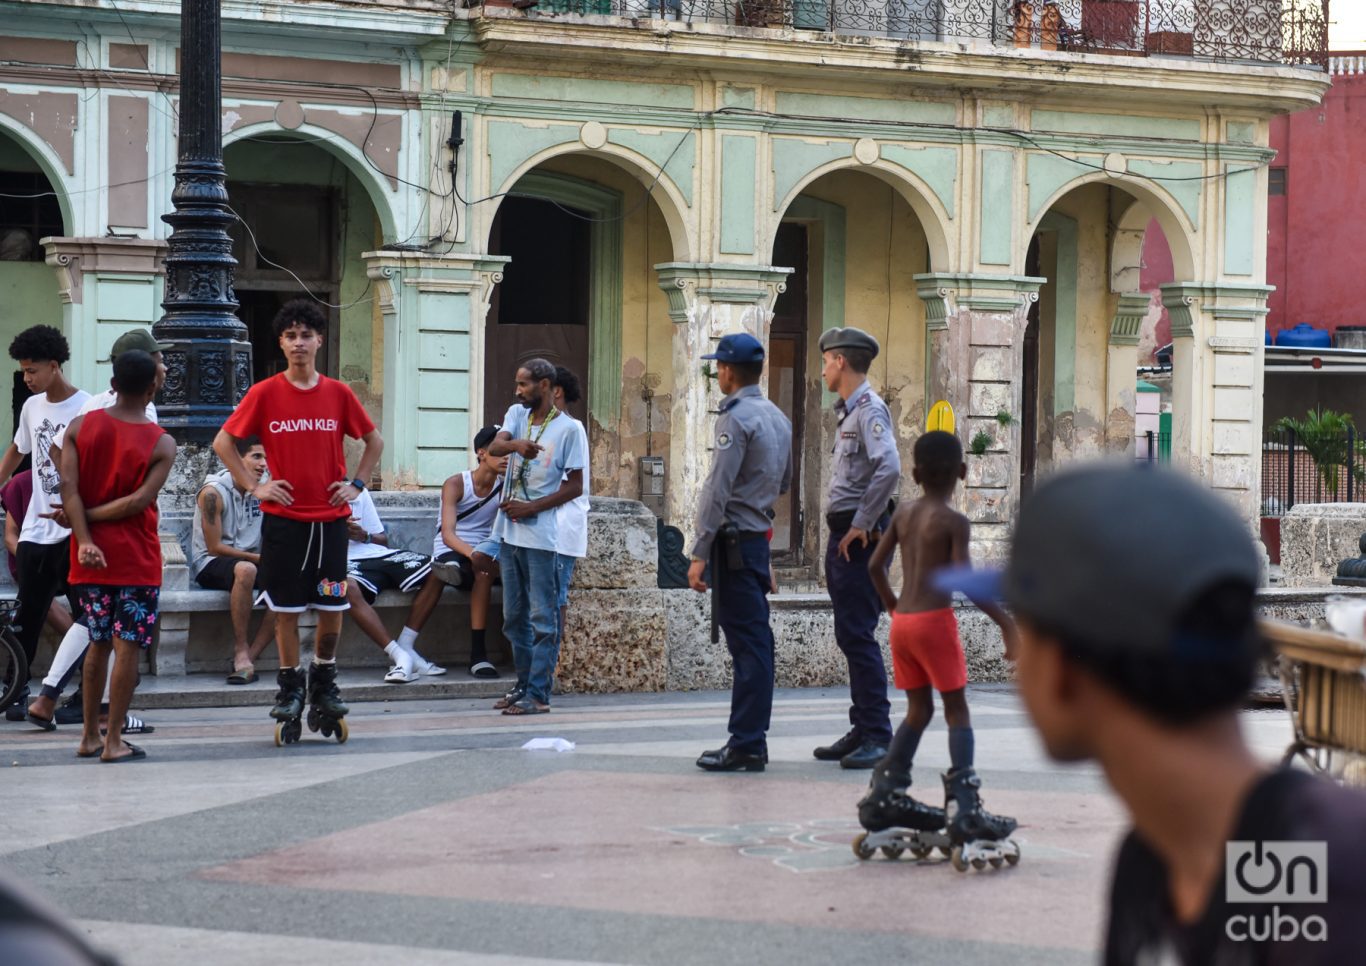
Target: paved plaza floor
(430, 837)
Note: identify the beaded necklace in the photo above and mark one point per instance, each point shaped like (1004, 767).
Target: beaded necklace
(525, 468)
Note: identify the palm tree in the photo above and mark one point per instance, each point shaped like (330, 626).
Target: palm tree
(1324, 434)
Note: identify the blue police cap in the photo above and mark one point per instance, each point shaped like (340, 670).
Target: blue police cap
(739, 347)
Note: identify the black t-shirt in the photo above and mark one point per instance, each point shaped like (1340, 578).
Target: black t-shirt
(1286, 806)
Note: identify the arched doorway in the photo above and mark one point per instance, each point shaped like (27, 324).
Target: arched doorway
(1105, 256)
(855, 245)
(30, 210)
(305, 220)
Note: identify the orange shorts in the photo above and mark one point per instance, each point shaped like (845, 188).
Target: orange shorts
(926, 651)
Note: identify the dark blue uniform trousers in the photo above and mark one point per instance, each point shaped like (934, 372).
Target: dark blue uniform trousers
(743, 616)
(857, 609)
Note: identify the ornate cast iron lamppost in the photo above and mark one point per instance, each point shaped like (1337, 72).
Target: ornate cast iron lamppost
(209, 365)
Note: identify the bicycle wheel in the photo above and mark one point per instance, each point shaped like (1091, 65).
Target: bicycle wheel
(13, 668)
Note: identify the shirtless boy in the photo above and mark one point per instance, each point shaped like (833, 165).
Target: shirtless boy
(926, 653)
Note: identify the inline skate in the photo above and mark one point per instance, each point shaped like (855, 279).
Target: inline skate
(289, 705)
(326, 713)
(977, 836)
(896, 822)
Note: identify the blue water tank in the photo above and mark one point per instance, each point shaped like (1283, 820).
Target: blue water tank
(1268, 337)
(1304, 336)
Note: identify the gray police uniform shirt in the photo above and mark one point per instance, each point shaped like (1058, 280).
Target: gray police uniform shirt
(867, 471)
(241, 521)
(751, 467)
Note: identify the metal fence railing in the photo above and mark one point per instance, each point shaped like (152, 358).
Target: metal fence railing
(1321, 469)
(1276, 31)
(1153, 447)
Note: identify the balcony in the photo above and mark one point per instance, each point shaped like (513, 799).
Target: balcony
(1250, 31)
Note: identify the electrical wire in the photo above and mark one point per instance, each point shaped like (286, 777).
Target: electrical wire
(307, 291)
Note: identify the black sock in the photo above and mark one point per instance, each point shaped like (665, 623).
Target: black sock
(477, 649)
(897, 764)
(961, 745)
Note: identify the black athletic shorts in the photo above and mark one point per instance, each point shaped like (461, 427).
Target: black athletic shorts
(219, 573)
(303, 564)
(401, 570)
(466, 568)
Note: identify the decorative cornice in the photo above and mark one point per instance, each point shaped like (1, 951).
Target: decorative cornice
(1128, 320)
(685, 282)
(977, 293)
(1222, 300)
(74, 257)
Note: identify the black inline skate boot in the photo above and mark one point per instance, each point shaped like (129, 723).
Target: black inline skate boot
(978, 837)
(326, 713)
(289, 705)
(896, 822)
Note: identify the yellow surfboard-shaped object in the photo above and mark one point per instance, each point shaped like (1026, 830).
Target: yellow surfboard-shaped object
(941, 418)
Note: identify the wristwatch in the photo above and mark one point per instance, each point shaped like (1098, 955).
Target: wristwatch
(358, 483)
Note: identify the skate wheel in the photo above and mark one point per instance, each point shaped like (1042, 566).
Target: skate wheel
(921, 852)
(893, 851)
(343, 732)
(313, 720)
(945, 851)
(279, 734)
(1013, 858)
(861, 847)
(996, 861)
(979, 864)
(956, 857)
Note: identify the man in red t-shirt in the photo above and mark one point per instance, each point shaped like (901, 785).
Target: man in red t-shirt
(114, 462)
(302, 416)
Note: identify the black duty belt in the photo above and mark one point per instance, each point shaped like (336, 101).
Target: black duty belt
(841, 520)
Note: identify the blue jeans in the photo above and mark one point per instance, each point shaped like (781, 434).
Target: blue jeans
(531, 616)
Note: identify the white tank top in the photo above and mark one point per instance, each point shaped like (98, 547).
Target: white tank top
(473, 528)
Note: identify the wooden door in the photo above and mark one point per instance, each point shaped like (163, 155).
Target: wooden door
(541, 308)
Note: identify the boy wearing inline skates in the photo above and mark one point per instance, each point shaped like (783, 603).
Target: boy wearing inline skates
(302, 416)
(926, 653)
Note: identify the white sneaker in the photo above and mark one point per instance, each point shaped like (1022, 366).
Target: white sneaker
(423, 666)
(403, 671)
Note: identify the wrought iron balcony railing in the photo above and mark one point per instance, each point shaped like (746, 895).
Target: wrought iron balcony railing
(1265, 31)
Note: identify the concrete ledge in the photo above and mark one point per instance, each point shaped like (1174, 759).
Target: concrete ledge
(1316, 537)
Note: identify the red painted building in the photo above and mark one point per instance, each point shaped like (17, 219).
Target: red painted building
(1316, 217)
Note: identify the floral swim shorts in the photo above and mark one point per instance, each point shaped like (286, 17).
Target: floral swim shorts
(128, 613)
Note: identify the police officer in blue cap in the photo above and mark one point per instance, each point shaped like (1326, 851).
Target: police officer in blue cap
(751, 466)
(863, 484)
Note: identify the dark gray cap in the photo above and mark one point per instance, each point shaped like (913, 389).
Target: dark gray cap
(1113, 556)
(850, 338)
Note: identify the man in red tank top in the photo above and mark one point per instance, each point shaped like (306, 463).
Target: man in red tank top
(114, 462)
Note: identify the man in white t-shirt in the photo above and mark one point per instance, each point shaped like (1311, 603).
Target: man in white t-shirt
(545, 473)
(573, 522)
(66, 663)
(44, 555)
(371, 566)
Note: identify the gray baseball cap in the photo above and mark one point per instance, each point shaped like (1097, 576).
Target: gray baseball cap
(137, 339)
(1114, 556)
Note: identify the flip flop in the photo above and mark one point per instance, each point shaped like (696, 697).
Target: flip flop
(247, 675)
(134, 754)
(511, 698)
(133, 725)
(47, 724)
(483, 669)
(526, 706)
(90, 754)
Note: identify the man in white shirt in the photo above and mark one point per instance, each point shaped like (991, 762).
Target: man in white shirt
(44, 555)
(372, 565)
(572, 538)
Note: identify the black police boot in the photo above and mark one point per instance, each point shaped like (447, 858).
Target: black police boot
(838, 749)
(866, 755)
(730, 759)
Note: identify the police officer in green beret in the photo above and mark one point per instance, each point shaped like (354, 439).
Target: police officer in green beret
(863, 484)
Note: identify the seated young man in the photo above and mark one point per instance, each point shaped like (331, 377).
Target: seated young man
(372, 566)
(225, 549)
(469, 504)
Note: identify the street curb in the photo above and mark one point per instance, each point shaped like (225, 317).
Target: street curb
(262, 693)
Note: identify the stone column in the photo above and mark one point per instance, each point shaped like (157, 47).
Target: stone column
(1217, 336)
(434, 307)
(706, 301)
(974, 361)
(1121, 373)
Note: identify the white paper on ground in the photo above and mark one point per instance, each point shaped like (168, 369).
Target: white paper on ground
(548, 744)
